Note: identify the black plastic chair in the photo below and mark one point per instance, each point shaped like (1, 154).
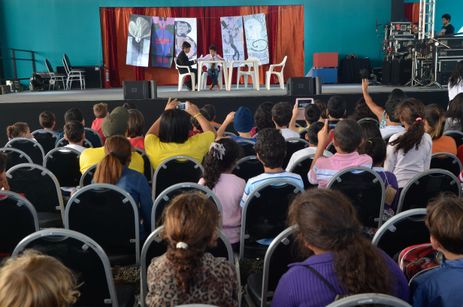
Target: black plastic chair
(63, 142)
(163, 200)
(301, 167)
(87, 176)
(14, 157)
(425, 186)
(248, 167)
(93, 137)
(370, 299)
(264, 215)
(446, 161)
(155, 246)
(42, 189)
(365, 189)
(18, 219)
(175, 170)
(45, 138)
(293, 145)
(148, 169)
(64, 164)
(368, 120)
(247, 147)
(87, 260)
(401, 231)
(456, 135)
(30, 147)
(108, 215)
(331, 148)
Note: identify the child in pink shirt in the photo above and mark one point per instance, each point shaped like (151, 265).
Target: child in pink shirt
(100, 110)
(347, 138)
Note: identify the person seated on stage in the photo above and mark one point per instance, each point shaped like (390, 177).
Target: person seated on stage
(74, 133)
(136, 128)
(434, 121)
(442, 286)
(455, 84)
(271, 151)
(210, 110)
(183, 60)
(342, 260)
(389, 124)
(263, 118)
(76, 114)
(212, 68)
(47, 121)
(100, 110)
(36, 280)
(312, 137)
(3, 180)
(347, 139)
(281, 115)
(243, 122)
(116, 123)
(169, 135)
(447, 28)
(18, 130)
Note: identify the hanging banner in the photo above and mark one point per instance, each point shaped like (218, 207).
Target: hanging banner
(255, 28)
(138, 41)
(186, 31)
(162, 42)
(232, 38)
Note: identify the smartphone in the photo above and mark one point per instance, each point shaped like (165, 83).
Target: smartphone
(182, 105)
(332, 124)
(301, 104)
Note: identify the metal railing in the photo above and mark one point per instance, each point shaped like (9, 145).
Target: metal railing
(15, 55)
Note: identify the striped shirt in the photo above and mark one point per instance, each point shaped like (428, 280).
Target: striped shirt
(325, 168)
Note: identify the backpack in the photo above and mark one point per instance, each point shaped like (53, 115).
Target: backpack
(416, 258)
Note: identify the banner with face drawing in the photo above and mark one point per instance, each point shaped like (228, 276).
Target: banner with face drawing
(186, 30)
(255, 28)
(138, 41)
(232, 38)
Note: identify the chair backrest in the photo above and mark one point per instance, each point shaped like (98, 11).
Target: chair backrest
(402, 230)
(248, 167)
(160, 202)
(293, 145)
(301, 167)
(87, 176)
(368, 120)
(365, 189)
(247, 147)
(38, 185)
(446, 161)
(14, 157)
(93, 137)
(425, 186)
(174, 170)
(283, 63)
(64, 164)
(49, 66)
(81, 255)
(18, 219)
(31, 147)
(109, 215)
(375, 299)
(66, 64)
(63, 142)
(456, 135)
(45, 138)
(148, 171)
(265, 213)
(155, 246)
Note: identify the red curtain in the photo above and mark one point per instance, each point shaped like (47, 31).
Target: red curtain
(412, 12)
(285, 26)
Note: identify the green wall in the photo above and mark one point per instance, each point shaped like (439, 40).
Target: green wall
(52, 27)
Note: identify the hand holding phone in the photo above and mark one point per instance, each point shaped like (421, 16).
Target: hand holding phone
(183, 105)
(301, 104)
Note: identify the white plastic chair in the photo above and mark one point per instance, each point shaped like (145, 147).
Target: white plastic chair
(249, 72)
(279, 73)
(204, 79)
(181, 77)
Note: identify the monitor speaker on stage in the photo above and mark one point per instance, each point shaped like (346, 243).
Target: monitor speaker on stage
(144, 89)
(304, 86)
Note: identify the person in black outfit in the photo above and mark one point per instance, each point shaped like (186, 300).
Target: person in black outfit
(447, 27)
(182, 60)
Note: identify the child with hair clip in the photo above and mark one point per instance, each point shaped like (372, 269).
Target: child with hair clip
(228, 188)
(409, 152)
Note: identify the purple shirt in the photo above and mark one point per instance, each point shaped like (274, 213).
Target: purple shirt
(302, 288)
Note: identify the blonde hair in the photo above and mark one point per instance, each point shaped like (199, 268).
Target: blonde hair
(36, 280)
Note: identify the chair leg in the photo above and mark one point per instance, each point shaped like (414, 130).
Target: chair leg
(180, 83)
(267, 80)
(193, 82)
(238, 78)
(281, 80)
(246, 79)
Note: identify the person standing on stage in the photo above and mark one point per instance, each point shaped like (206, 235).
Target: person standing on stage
(447, 27)
(212, 68)
(183, 60)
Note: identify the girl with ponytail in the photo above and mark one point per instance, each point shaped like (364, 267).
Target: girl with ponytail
(409, 153)
(113, 169)
(218, 165)
(343, 261)
(18, 130)
(186, 274)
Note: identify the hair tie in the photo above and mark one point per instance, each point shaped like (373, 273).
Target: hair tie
(217, 150)
(418, 119)
(181, 245)
(370, 141)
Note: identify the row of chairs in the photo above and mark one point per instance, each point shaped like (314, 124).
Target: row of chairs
(71, 75)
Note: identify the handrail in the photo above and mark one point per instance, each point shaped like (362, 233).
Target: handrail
(12, 56)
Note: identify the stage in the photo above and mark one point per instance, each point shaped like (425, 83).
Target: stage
(26, 106)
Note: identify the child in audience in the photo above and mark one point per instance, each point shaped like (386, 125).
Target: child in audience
(455, 85)
(18, 130)
(271, 151)
(76, 114)
(442, 286)
(186, 273)
(136, 129)
(243, 123)
(281, 116)
(3, 180)
(343, 261)
(263, 117)
(312, 114)
(218, 165)
(409, 152)
(362, 111)
(210, 110)
(347, 138)
(35, 280)
(47, 121)
(455, 114)
(100, 110)
(197, 126)
(369, 130)
(74, 133)
(336, 108)
(322, 106)
(434, 126)
(213, 69)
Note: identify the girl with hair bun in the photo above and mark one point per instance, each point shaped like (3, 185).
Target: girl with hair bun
(343, 261)
(18, 130)
(186, 274)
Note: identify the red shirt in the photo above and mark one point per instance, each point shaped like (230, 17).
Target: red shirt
(96, 125)
(138, 142)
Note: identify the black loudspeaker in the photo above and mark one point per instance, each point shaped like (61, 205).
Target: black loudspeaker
(445, 69)
(144, 89)
(304, 86)
(397, 72)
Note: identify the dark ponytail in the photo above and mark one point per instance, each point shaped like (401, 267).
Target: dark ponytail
(411, 112)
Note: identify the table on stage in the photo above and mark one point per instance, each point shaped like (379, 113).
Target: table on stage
(201, 63)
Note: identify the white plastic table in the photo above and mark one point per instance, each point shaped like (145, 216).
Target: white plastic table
(222, 63)
(255, 66)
